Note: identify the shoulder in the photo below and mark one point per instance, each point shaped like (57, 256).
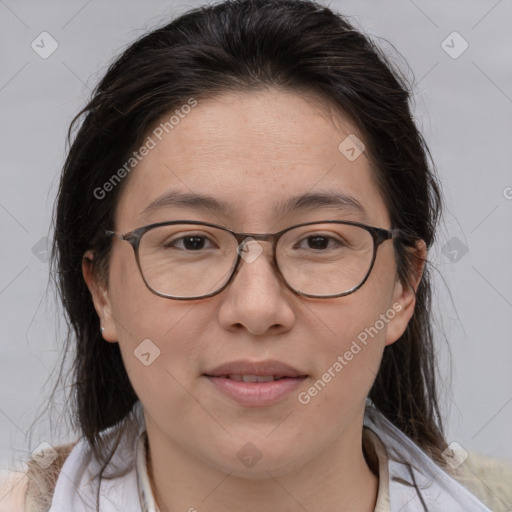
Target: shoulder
(31, 490)
(488, 479)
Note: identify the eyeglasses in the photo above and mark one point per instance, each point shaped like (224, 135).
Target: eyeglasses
(188, 259)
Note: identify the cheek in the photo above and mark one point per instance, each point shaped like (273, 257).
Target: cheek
(158, 337)
(351, 362)
(356, 327)
(138, 312)
(160, 354)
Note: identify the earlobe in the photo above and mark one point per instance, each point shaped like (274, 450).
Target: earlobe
(100, 297)
(404, 297)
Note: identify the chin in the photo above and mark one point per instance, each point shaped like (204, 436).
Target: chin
(255, 461)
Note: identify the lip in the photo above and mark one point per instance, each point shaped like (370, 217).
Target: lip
(260, 368)
(256, 394)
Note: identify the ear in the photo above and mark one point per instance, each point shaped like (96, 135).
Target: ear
(100, 298)
(404, 297)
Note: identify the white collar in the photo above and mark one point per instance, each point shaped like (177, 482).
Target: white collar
(147, 499)
(416, 482)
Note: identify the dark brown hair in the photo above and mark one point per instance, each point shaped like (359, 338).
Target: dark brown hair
(244, 45)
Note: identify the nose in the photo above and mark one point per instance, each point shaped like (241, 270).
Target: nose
(257, 299)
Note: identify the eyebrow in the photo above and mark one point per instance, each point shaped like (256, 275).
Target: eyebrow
(307, 201)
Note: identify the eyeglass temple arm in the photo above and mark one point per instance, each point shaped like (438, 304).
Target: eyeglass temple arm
(112, 234)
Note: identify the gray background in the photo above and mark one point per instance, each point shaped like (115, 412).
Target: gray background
(463, 106)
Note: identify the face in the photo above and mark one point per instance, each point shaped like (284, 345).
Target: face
(253, 151)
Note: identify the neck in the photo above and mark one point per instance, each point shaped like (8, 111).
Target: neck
(339, 479)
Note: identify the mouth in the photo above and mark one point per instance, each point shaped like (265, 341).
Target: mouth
(255, 378)
(255, 371)
(255, 384)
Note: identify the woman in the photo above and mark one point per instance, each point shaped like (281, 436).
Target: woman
(241, 238)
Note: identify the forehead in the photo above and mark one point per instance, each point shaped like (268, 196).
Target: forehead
(254, 152)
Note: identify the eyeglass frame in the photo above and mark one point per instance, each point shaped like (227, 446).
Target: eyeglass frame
(379, 235)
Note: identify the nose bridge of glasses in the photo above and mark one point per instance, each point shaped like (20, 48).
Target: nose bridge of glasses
(250, 247)
(244, 238)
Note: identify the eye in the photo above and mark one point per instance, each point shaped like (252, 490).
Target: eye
(192, 242)
(320, 241)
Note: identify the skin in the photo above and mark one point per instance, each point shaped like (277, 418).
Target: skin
(252, 150)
